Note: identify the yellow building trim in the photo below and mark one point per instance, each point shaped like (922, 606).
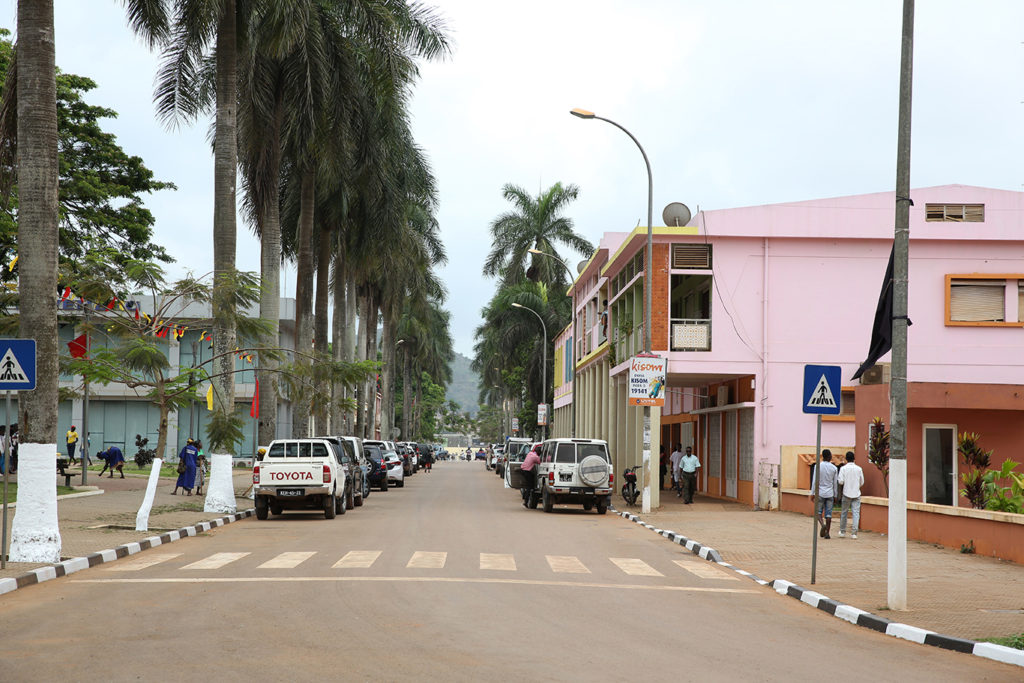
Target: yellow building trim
(592, 355)
(642, 230)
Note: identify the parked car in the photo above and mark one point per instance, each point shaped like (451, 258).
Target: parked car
(351, 460)
(573, 471)
(300, 473)
(357, 449)
(499, 460)
(396, 468)
(378, 470)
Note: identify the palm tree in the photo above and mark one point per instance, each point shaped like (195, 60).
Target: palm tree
(534, 223)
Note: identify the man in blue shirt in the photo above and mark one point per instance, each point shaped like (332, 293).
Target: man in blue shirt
(688, 465)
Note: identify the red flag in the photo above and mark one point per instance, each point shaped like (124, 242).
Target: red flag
(67, 292)
(78, 346)
(254, 411)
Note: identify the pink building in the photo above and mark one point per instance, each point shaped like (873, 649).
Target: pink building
(744, 298)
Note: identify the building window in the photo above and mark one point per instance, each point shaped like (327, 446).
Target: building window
(686, 256)
(958, 213)
(981, 300)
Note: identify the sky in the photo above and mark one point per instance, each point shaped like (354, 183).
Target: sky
(737, 103)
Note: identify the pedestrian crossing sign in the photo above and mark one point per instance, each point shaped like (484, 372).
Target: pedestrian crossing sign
(822, 389)
(17, 364)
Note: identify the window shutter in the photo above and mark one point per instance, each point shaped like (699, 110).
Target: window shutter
(691, 256)
(960, 213)
(1020, 301)
(977, 300)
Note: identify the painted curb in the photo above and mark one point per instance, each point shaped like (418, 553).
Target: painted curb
(858, 617)
(76, 564)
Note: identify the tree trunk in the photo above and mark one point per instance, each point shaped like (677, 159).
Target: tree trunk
(348, 348)
(417, 426)
(407, 391)
(360, 420)
(338, 325)
(161, 434)
(323, 285)
(225, 155)
(304, 305)
(371, 353)
(270, 293)
(35, 534)
(387, 373)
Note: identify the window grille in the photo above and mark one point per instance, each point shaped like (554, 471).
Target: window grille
(747, 444)
(977, 300)
(691, 256)
(959, 213)
(715, 445)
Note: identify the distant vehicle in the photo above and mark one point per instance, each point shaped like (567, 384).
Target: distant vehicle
(480, 455)
(299, 473)
(396, 468)
(378, 469)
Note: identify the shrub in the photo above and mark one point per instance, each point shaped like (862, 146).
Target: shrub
(144, 456)
(977, 460)
(878, 450)
(1004, 498)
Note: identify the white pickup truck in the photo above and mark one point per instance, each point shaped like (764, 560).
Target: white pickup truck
(299, 474)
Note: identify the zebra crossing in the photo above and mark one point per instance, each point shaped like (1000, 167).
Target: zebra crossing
(430, 560)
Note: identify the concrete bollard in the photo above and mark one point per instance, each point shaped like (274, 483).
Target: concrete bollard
(35, 535)
(142, 518)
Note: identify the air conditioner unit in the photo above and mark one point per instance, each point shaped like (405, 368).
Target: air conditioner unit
(880, 373)
(723, 396)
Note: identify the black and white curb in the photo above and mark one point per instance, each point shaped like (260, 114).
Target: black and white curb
(77, 564)
(845, 612)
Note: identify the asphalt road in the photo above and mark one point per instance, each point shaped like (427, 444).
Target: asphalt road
(447, 579)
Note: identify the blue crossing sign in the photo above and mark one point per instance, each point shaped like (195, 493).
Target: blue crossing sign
(822, 389)
(17, 364)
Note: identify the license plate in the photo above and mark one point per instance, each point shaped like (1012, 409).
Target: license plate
(291, 492)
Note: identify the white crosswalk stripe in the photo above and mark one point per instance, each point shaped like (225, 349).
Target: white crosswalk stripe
(216, 561)
(634, 567)
(566, 564)
(287, 561)
(358, 559)
(143, 561)
(704, 570)
(497, 562)
(422, 559)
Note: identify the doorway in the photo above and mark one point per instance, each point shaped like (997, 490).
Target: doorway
(939, 471)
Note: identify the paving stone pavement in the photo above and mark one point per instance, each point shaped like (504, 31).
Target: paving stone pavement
(93, 523)
(967, 596)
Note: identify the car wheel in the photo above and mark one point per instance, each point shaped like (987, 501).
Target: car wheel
(276, 510)
(359, 498)
(340, 505)
(350, 499)
(588, 506)
(330, 506)
(532, 501)
(602, 507)
(262, 511)
(384, 484)
(400, 483)
(547, 502)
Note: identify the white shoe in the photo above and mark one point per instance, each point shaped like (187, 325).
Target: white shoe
(841, 534)
(853, 535)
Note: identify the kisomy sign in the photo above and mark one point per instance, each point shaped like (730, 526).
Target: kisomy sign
(647, 381)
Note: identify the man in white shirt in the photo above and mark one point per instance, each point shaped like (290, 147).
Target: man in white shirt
(851, 477)
(825, 477)
(676, 456)
(688, 465)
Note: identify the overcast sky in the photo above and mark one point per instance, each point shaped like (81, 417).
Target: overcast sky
(737, 103)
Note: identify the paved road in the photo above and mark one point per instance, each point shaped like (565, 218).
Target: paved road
(449, 578)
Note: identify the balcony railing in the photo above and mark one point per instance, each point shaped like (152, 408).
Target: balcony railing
(692, 334)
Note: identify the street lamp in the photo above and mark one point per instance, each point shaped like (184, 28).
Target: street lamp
(572, 404)
(544, 368)
(645, 484)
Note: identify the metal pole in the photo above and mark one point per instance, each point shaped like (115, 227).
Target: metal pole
(897, 560)
(85, 408)
(7, 460)
(572, 346)
(814, 513)
(192, 401)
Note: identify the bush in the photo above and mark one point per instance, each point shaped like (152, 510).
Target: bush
(144, 456)
(977, 460)
(1004, 498)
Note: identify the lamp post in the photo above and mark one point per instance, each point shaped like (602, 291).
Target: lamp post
(645, 484)
(572, 404)
(544, 368)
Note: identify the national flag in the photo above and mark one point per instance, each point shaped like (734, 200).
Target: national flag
(881, 330)
(254, 411)
(209, 398)
(67, 292)
(79, 346)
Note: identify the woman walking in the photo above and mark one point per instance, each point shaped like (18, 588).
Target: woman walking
(186, 468)
(200, 468)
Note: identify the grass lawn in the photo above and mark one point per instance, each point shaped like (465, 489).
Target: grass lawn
(12, 491)
(1016, 641)
(166, 470)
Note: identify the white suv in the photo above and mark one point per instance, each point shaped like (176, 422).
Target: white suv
(573, 471)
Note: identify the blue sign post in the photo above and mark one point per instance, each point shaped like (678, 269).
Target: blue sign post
(822, 395)
(17, 373)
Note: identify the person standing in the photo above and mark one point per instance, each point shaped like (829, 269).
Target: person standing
(662, 467)
(72, 441)
(825, 477)
(529, 472)
(186, 468)
(851, 476)
(688, 465)
(200, 468)
(677, 455)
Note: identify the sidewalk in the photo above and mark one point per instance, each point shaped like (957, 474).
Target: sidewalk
(90, 524)
(966, 596)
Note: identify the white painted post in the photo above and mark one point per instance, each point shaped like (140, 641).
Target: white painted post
(220, 496)
(142, 518)
(35, 536)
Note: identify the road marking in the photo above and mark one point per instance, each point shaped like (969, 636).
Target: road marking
(142, 562)
(216, 561)
(286, 561)
(357, 559)
(704, 570)
(566, 564)
(422, 579)
(635, 567)
(506, 563)
(422, 559)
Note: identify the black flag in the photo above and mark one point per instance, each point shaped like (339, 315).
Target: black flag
(881, 331)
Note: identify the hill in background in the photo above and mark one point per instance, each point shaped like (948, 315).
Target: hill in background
(464, 388)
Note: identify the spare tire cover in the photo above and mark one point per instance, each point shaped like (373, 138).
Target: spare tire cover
(594, 471)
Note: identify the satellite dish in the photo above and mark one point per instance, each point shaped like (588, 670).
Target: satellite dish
(676, 215)
(581, 265)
